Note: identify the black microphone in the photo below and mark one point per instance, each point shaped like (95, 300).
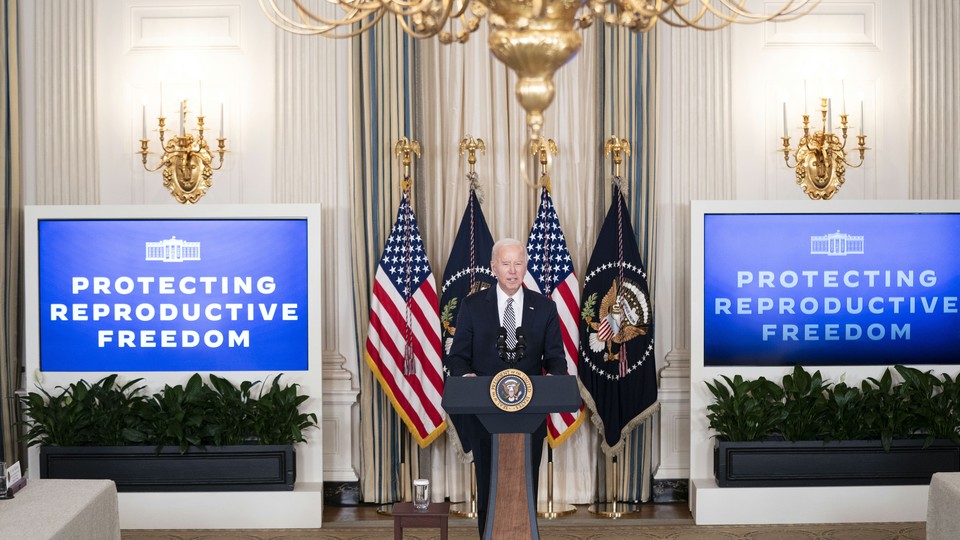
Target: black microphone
(502, 343)
(521, 344)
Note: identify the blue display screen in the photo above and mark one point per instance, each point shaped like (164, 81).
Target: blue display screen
(831, 289)
(173, 295)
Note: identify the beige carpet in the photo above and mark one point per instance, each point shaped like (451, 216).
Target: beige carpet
(557, 531)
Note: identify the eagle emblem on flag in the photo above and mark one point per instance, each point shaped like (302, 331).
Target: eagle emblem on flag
(623, 315)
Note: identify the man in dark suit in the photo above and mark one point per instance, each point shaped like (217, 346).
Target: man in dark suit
(531, 328)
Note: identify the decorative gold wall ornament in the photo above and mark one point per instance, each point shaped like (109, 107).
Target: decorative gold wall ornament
(532, 37)
(541, 148)
(617, 147)
(187, 161)
(470, 145)
(404, 150)
(820, 157)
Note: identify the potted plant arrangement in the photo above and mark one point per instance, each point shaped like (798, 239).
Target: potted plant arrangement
(810, 432)
(193, 437)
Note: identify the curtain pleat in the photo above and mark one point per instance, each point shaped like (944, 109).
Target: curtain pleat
(629, 92)
(11, 294)
(384, 111)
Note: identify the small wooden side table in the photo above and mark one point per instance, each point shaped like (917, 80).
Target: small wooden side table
(405, 515)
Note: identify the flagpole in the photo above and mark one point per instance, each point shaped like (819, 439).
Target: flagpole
(542, 148)
(552, 510)
(471, 146)
(614, 509)
(468, 509)
(404, 150)
(387, 508)
(618, 147)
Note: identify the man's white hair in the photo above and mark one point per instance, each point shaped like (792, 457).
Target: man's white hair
(507, 242)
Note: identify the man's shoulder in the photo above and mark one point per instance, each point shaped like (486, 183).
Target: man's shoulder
(480, 296)
(535, 297)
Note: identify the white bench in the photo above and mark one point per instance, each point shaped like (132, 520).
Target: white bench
(62, 510)
(943, 507)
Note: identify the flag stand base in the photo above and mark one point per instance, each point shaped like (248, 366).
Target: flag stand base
(468, 509)
(556, 510)
(464, 509)
(552, 510)
(613, 509)
(616, 508)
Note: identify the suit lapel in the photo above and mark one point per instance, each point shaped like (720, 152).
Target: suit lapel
(491, 307)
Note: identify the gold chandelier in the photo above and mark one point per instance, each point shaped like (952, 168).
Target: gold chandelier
(532, 37)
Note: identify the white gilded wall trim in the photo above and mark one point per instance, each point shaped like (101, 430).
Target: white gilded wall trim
(835, 23)
(65, 135)
(935, 144)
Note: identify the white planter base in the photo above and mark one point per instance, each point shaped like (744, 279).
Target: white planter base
(713, 505)
(301, 508)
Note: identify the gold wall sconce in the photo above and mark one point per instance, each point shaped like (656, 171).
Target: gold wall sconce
(187, 161)
(820, 157)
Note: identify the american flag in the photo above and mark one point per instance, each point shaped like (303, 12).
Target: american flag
(403, 339)
(550, 272)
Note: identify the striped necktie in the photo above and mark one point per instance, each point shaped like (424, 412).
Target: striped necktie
(510, 323)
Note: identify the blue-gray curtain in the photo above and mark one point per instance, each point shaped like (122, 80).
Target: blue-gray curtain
(11, 295)
(385, 109)
(628, 108)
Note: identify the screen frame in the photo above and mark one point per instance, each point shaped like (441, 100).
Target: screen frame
(701, 437)
(309, 460)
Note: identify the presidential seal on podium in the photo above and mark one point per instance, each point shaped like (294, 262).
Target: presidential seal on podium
(511, 390)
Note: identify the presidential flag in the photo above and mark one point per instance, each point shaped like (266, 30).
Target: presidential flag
(617, 367)
(550, 272)
(468, 271)
(403, 339)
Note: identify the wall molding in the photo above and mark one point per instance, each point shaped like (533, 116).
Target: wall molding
(184, 27)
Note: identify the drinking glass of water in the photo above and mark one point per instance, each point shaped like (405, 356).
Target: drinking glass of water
(421, 494)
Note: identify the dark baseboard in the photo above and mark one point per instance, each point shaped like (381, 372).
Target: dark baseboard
(348, 493)
(135, 468)
(341, 494)
(671, 490)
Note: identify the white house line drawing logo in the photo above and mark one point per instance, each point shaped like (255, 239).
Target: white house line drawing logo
(836, 244)
(173, 250)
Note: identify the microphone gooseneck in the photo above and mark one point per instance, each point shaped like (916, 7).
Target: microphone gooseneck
(502, 343)
(521, 344)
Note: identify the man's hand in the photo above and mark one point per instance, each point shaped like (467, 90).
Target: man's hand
(470, 375)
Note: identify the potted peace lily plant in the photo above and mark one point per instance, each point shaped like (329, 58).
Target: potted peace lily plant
(193, 437)
(806, 431)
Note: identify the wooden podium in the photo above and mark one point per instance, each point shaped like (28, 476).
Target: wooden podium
(511, 413)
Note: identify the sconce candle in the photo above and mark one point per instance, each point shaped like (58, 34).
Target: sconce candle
(843, 95)
(785, 119)
(144, 135)
(221, 119)
(161, 98)
(861, 117)
(182, 121)
(201, 98)
(829, 116)
(804, 97)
